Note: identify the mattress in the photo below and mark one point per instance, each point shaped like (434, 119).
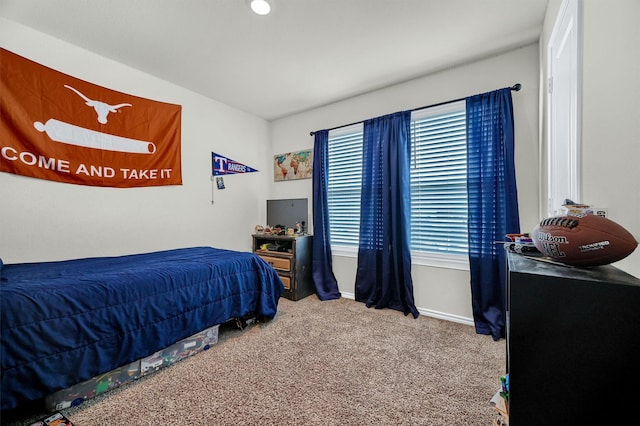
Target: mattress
(67, 321)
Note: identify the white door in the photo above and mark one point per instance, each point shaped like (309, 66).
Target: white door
(564, 107)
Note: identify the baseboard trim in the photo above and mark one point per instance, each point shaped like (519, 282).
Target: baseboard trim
(428, 312)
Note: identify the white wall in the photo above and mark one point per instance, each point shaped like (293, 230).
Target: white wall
(438, 291)
(610, 111)
(43, 220)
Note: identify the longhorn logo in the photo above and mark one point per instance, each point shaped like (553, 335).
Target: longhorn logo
(102, 109)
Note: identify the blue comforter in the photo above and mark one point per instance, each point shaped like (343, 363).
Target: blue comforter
(67, 321)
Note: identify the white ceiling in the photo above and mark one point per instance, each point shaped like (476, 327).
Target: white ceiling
(305, 54)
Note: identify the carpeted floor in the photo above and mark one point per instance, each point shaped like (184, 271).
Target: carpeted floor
(318, 363)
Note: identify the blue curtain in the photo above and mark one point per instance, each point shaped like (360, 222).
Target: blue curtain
(321, 261)
(383, 277)
(493, 205)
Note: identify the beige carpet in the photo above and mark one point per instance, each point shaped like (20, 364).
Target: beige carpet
(319, 363)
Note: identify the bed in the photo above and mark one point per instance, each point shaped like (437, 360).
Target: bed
(64, 322)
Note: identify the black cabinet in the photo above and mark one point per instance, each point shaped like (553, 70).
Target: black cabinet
(290, 256)
(573, 343)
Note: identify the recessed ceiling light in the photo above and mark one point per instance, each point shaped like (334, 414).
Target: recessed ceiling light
(261, 7)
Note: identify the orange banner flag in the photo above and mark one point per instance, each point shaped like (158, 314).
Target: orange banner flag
(57, 127)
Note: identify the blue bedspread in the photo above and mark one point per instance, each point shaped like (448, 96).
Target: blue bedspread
(65, 322)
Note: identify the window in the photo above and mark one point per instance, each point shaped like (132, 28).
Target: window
(438, 186)
(439, 180)
(343, 186)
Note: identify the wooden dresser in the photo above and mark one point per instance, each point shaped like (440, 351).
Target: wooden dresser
(290, 256)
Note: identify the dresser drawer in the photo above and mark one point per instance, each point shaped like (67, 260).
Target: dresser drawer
(278, 263)
(286, 281)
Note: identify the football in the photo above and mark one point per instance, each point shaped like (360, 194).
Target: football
(583, 240)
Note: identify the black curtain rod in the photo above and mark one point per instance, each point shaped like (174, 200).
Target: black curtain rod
(516, 87)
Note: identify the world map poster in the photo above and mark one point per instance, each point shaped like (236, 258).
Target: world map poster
(293, 165)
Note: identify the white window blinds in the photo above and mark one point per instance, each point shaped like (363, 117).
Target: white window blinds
(439, 179)
(438, 182)
(344, 182)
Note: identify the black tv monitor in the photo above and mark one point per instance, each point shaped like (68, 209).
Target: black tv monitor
(288, 212)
